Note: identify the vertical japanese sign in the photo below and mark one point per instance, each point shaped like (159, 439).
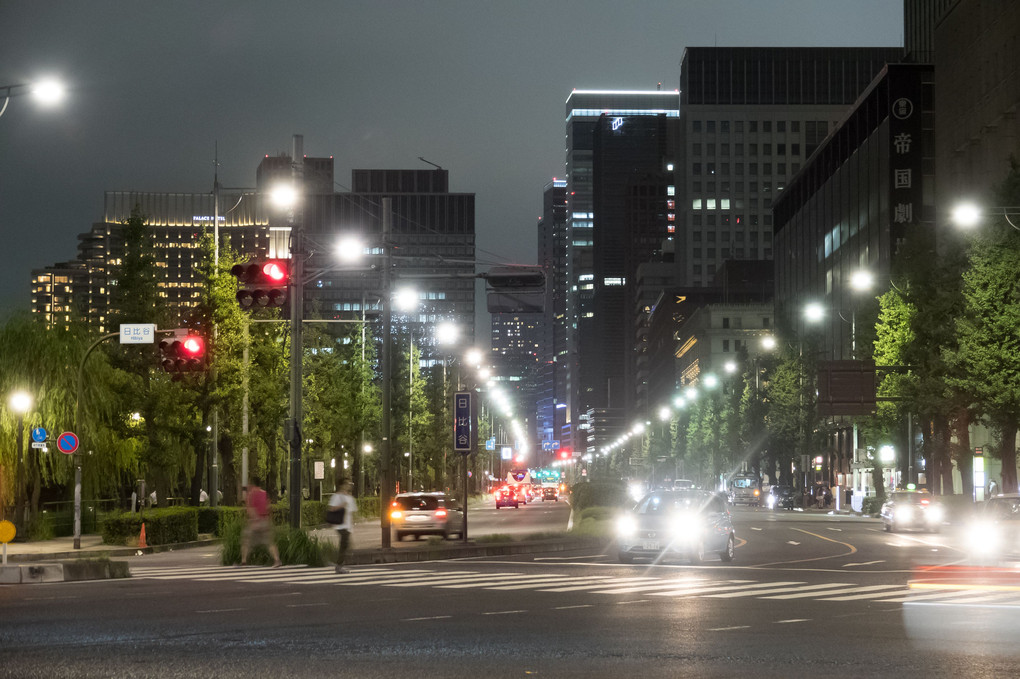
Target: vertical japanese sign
(905, 151)
(463, 422)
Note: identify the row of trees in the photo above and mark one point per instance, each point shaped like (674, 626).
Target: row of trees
(949, 322)
(139, 422)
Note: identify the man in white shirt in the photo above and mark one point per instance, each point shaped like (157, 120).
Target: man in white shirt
(342, 498)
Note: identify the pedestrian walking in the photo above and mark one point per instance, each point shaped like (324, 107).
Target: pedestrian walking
(259, 528)
(341, 515)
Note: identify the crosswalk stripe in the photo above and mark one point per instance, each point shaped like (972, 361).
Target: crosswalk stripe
(943, 596)
(455, 579)
(542, 583)
(840, 590)
(611, 581)
(537, 580)
(698, 591)
(380, 579)
(780, 590)
(659, 584)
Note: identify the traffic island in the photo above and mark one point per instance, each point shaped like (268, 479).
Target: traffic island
(63, 571)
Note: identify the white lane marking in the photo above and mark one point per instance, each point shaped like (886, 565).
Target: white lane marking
(535, 583)
(780, 590)
(431, 617)
(839, 591)
(567, 608)
(756, 528)
(791, 542)
(636, 601)
(610, 581)
(660, 584)
(863, 563)
(222, 610)
(442, 579)
(837, 530)
(940, 596)
(792, 620)
(711, 590)
(503, 612)
(321, 603)
(727, 629)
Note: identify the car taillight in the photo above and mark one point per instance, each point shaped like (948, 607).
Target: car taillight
(756, 492)
(396, 515)
(440, 513)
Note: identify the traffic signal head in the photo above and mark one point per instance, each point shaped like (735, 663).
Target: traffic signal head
(263, 283)
(182, 352)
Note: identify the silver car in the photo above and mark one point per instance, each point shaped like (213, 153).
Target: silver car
(676, 523)
(419, 514)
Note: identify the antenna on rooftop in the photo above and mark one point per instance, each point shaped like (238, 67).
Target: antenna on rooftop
(430, 163)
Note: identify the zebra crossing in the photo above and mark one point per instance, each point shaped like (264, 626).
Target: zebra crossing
(676, 587)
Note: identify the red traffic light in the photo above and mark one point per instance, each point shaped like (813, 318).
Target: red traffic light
(264, 283)
(193, 346)
(274, 271)
(564, 453)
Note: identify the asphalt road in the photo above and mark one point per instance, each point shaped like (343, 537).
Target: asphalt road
(806, 596)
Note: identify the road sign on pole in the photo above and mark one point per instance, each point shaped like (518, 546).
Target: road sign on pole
(67, 443)
(463, 422)
(137, 333)
(38, 434)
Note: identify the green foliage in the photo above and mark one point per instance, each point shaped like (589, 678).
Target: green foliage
(212, 519)
(368, 507)
(872, 505)
(599, 513)
(598, 494)
(494, 538)
(299, 547)
(162, 526)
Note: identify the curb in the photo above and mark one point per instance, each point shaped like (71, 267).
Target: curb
(64, 571)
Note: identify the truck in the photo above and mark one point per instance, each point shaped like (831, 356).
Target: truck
(744, 488)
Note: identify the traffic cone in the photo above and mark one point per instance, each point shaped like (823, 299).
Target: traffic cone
(141, 537)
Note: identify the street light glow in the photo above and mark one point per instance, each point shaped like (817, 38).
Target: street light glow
(711, 381)
(447, 333)
(814, 312)
(48, 92)
(473, 357)
(768, 342)
(966, 215)
(406, 299)
(349, 249)
(21, 402)
(283, 195)
(664, 413)
(861, 280)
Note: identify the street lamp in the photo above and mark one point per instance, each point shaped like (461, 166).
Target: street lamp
(21, 403)
(47, 92)
(968, 215)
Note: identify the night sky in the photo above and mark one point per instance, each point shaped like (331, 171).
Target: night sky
(476, 87)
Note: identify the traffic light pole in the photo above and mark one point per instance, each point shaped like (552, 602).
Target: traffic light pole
(297, 255)
(385, 461)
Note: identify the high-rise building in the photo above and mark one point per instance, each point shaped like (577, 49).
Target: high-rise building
(750, 117)
(584, 109)
(633, 196)
(554, 357)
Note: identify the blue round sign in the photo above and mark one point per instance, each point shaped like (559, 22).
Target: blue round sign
(67, 443)
(38, 434)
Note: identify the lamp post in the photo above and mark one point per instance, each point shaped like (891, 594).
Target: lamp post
(21, 403)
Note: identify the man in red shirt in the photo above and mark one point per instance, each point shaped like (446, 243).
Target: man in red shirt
(259, 529)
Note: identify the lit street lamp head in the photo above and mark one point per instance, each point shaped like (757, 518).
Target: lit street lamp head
(966, 215)
(861, 280)
(21, 402)
(48, 92)
(283, 195)
(814, 312)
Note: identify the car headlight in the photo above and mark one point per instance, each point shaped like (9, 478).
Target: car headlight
(626, 526)
(687, 527)
(934, 514)
(984, 537)
(771, 500)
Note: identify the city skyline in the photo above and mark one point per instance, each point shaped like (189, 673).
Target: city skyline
(147, 112)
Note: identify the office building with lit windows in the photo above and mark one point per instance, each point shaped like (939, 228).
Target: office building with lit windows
(554, 358)
(433, 235)
(750, 118)
(586, 384)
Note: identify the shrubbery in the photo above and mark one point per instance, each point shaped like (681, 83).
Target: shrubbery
(162, 526)
(598, 494)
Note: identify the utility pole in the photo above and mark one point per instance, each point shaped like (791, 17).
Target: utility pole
(386, 367)
(297, 256)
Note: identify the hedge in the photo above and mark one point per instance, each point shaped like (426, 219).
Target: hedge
(162, 526)
(598, 494)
